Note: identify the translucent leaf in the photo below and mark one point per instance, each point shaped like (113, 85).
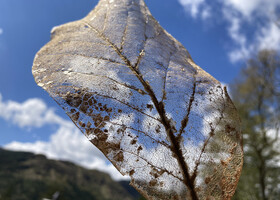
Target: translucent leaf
(135, 92)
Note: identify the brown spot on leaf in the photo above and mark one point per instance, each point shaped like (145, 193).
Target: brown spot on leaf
(207, 180)
(233, 149)
(115, 146)
(75, 116)
(119, 157)
(98, 119)
(97, 131)
(133, 141)
(131, 172)
(102, 125)
(73, 101)
(229, 129)
(89, 125)
(157, 129)
(90, 111)
(161, 184)
(83, 108)
(114, 87)
(150, 107)
(121, 130)
(90, 102)
(212, 132)
(198, 189)
(83, 125)
(89, 131)
(156, 173)
(86, 97)
(153, 182)
(140, 148)
(224, 163)
(101, 142)
(102, 137)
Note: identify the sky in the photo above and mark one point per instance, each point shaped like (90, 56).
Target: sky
(220, 36)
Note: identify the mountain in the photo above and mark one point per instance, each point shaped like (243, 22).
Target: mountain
(26, 176)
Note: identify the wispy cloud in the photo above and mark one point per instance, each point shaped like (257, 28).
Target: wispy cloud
(66, 143)
(1, 31)
(269, 37)
(196, 8)
(257, 15)
(246, 8)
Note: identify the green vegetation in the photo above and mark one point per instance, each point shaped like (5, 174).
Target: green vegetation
(25, 176)
(256, 93)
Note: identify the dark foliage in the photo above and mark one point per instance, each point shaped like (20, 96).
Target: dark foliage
(25, 176)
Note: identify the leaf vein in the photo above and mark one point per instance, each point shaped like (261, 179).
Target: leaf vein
(165, 121)
(185, 121)
(82, 55)
(140, 91)
(149, 163)
(142, 132)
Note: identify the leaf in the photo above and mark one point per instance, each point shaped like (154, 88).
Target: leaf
(135, 92)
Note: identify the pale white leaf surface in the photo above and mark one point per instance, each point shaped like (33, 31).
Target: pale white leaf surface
(135, 92)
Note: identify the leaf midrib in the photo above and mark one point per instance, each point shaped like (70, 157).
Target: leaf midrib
(175, 146)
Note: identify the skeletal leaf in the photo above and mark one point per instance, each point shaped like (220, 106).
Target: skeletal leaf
(135, 92)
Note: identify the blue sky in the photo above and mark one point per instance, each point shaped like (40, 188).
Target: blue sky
(219, 35)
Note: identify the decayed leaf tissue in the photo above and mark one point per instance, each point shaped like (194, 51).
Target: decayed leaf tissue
(135, 92)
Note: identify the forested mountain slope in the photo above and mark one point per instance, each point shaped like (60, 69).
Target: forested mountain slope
(26, 176)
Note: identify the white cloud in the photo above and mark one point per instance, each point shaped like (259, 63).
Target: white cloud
(194, 6)
(206, 13)
(234, 30)
(257, 15)
(31, 113)
(245, 7)
(1, 31)
(274, 134)
(67, 143)
(266, 36)
(269, 37)
(238, 54)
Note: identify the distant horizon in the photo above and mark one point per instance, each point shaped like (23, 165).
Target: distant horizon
(62, 160)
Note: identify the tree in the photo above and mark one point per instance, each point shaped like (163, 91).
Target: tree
(256, 93)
